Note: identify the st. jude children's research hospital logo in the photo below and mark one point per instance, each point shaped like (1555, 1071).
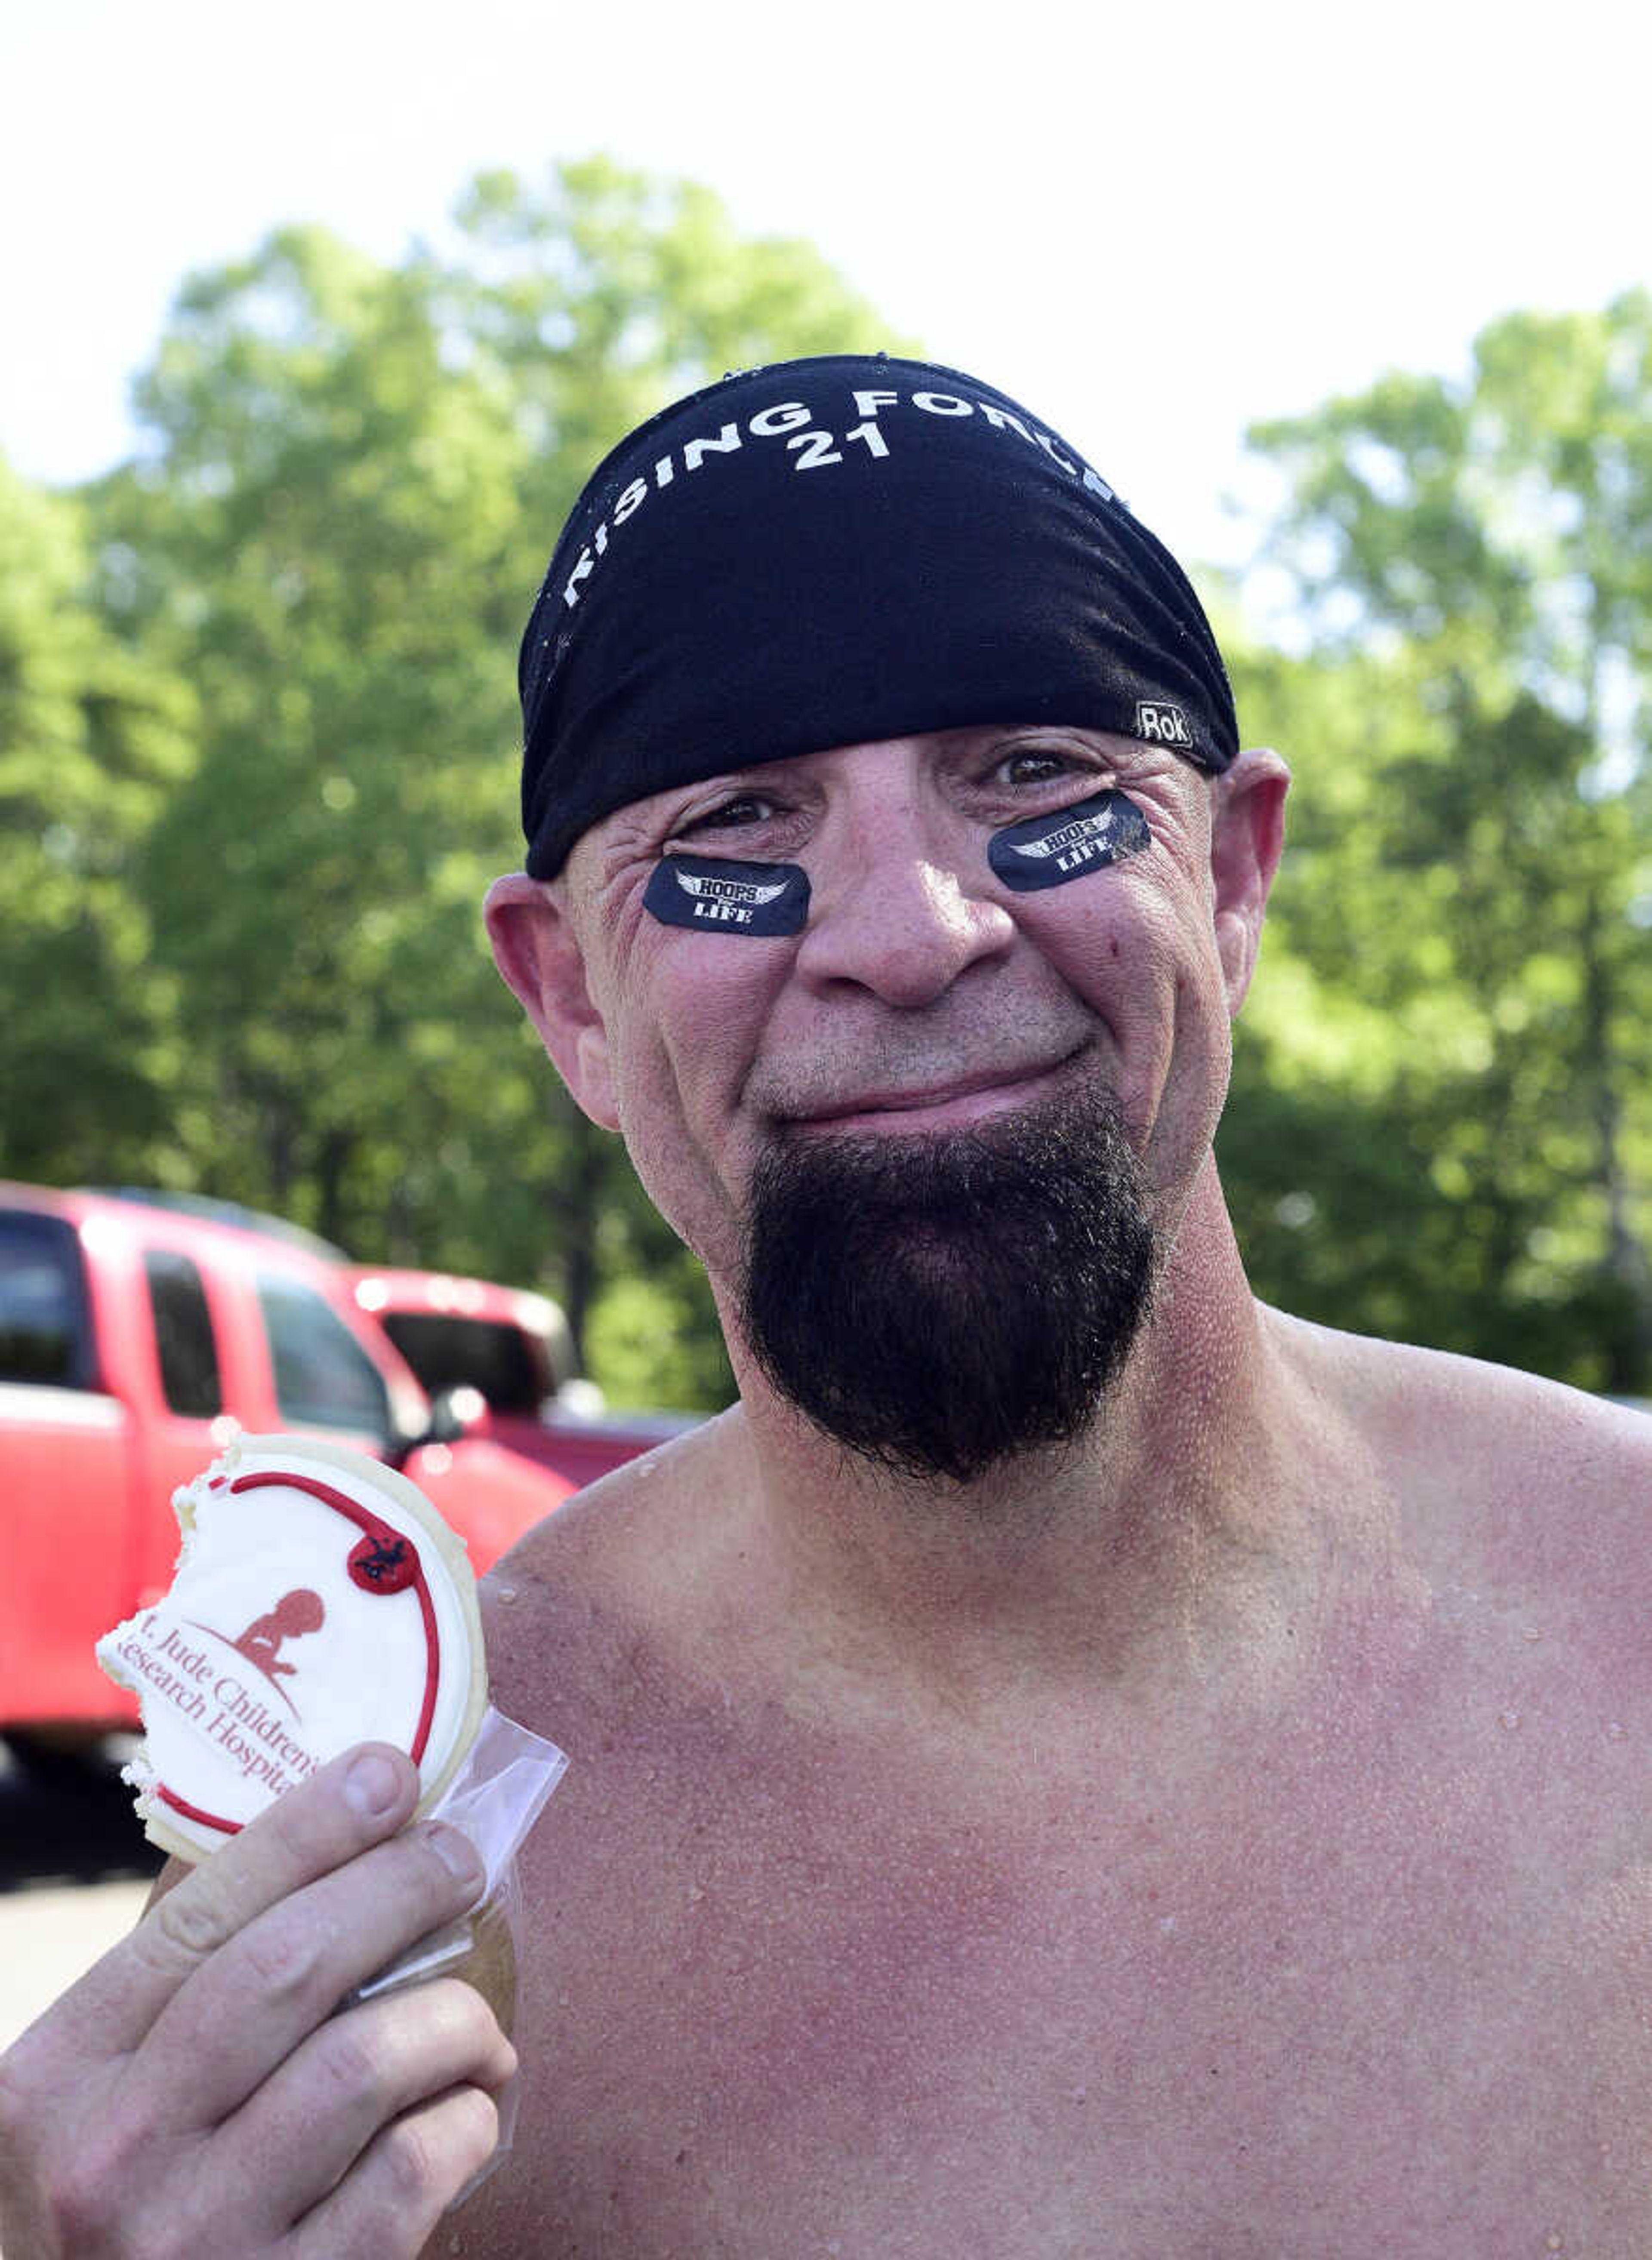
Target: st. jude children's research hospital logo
(250, 1680)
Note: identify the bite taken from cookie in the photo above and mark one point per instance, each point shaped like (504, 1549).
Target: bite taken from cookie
(319, 1600)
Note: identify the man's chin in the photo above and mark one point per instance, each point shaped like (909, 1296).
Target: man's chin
(939, 1303)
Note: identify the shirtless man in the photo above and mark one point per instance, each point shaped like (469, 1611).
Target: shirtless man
(1075, 1763)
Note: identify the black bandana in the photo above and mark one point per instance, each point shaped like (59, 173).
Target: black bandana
(829, 552)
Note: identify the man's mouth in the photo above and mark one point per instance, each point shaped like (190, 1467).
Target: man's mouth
(952, 1102)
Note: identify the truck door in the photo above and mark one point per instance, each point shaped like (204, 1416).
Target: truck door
(324, 1379)
(67, 1501)
(187, 1427)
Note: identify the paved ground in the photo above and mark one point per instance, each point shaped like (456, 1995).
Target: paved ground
(75, 1870)
(48, 1937)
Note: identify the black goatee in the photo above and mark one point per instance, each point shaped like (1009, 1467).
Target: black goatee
(937, 1304)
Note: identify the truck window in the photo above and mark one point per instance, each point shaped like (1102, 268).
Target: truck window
(449, 1353)
(46, 1333)
(183, 1335)
(324, 1378)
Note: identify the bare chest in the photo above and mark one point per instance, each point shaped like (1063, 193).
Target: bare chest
(1377, 1987)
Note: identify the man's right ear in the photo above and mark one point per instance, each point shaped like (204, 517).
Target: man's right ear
(535, 949)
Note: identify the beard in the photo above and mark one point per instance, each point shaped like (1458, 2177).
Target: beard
(939, 1304)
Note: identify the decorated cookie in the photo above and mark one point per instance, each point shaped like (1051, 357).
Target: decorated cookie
(319, 1600)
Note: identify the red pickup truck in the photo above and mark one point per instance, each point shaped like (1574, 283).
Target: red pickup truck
(513, 1349)
(136, 1340)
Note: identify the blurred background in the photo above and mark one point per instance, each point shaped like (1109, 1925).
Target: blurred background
(314, 322)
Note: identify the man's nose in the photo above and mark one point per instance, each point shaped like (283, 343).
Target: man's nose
(900, 918)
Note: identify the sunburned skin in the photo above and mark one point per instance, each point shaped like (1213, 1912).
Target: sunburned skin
(1312, 1917)
(1225, 1840)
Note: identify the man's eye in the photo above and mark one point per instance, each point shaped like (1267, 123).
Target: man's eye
(743, 808)
(1037, 766)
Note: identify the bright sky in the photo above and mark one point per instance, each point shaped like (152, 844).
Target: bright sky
(1153, 225)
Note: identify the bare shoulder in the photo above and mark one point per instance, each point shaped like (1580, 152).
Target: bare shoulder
(1494, 1432)
(1505, 1482)
(620, 1577)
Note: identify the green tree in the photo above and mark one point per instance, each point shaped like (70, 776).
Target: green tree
(1472, 843)
(597, 298)
(353, 478)
(92, 736)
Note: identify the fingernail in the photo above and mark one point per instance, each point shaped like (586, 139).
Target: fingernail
(457, 1852)
(371, 1785)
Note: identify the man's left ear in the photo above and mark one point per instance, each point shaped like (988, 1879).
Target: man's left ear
(1247, 831)
(536, 949)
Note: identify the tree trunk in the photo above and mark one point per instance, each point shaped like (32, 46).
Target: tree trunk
(1623, 1263)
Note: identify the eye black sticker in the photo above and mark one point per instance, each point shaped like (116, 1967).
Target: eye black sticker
(721, 896)
(1047, 851)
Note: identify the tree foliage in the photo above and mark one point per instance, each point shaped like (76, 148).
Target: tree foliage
(353, 478)
(1464, 910)
(257, 755)
(92, 738)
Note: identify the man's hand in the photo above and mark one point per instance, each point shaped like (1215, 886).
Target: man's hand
(194, 2093)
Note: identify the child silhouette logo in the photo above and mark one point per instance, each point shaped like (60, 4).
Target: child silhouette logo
(294, 1615)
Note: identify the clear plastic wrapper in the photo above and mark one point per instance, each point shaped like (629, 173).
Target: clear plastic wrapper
(495, 1799)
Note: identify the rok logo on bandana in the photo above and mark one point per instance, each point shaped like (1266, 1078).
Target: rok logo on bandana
(1158, 723)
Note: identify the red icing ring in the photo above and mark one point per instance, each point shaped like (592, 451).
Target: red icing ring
(380, 1540)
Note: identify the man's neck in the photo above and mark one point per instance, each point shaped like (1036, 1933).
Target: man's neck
(1176, 1544)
